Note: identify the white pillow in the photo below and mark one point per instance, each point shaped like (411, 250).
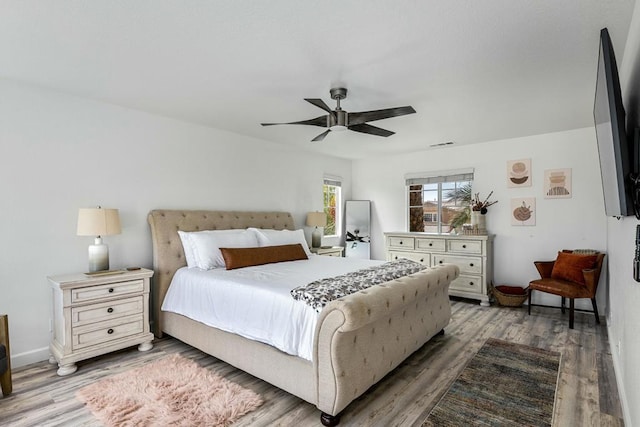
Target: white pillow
(267, 237)
(206, 245)
(187, 245)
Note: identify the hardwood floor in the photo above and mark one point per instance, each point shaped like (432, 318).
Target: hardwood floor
(586, 394)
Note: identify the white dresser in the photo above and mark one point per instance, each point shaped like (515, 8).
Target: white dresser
(94, 315)
(473, 254)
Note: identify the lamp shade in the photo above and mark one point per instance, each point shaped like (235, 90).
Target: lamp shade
(316, 219)
(98, 222)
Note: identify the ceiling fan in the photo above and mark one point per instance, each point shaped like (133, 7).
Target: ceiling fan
(338, 119)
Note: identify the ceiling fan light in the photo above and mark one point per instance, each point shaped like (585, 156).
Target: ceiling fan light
(338, 128)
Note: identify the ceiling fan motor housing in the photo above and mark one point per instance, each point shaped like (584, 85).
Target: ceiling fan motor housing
(338, 120)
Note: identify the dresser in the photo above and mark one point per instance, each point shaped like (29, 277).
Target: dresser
(98, 314)
(472, 254)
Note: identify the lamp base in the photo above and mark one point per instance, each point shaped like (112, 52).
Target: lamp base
(98, 256)
(316, 238)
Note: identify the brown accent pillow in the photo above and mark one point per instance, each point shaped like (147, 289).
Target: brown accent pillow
(569, 266)
(246, 257)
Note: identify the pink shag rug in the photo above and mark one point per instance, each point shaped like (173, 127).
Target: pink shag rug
(173, 391)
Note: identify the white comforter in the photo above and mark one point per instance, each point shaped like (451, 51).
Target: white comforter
(255, 302)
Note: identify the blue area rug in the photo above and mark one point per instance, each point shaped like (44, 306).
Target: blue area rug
(504, 384)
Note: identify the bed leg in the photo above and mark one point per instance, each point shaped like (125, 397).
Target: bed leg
(441, 332)
(329, 420)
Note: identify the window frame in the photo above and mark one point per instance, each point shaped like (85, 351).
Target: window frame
(336, 183)
(430, 178)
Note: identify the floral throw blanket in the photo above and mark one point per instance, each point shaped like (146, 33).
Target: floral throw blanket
(319, 293)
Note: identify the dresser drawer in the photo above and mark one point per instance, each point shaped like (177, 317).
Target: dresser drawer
(95, 334)
(471, 265)
(90, 293)
(413, 256)
(467, 284)
(465, 246)
(107, 310)
(401, 242)
(430, 244)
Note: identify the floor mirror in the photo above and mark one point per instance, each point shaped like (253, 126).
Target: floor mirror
(357, 229)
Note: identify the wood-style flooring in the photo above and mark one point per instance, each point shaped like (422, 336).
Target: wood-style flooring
(586, 394)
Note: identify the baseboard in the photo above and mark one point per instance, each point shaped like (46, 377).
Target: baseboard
(621, 390)
(29, 357)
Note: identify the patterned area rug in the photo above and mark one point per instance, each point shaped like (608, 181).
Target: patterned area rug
(173, 391)
(504, 384)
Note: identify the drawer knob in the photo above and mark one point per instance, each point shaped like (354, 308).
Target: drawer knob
(110, 290)
(421, 259)
(471, 264)
(396, 257)
(110, 310)
(400, 241)
(464, 246)
(471, 283)
(440, 261)
(110, 331)
(430, 244)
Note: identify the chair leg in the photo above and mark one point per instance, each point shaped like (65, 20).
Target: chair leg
(595, 310)
(530, 292)
(562, 305)
(5, 379)
(571, 313)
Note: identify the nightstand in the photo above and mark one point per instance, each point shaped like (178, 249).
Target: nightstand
(328, 250)
(98, 314)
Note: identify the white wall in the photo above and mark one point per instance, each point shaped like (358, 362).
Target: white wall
(578, 222)
(624, 321)
(59, 153)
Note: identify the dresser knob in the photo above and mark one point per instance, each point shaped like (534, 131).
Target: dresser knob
(440, 262)
(400, 241)
(110, 290)
(471, 283)
(110, 331)
(464, 246)
(430, 244)
(110, 310)
(421, 259)
(470, 264)
(396, 257)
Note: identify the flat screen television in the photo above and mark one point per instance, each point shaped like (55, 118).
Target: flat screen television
(613, 149)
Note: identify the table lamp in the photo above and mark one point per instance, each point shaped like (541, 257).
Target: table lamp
(98, 222)
(316, 219)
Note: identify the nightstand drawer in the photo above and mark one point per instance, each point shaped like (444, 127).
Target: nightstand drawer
(430, 244)
(90, 335)
(106, 310)
(401, 242)
(90, 293)
(413, 256)
(467, 284)
(335, 253)
(465, 246)
(471, 265)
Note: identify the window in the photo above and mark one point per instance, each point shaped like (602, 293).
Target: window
(439, 201)
(332, 203)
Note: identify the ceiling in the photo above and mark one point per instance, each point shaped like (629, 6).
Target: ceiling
(475, 71)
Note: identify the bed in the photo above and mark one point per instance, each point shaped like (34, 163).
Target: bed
(358, 338)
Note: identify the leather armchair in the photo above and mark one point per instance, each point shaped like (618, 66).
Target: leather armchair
(5, 357)
(568, 289)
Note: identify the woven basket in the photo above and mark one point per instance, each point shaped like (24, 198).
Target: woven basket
(510, 300)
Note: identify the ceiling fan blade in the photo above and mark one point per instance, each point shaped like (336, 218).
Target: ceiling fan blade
(321, 136)
(322, 121)
(320, 104)
(373, 130)
(370, 116)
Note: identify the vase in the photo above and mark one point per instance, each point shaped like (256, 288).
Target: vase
(478, 222)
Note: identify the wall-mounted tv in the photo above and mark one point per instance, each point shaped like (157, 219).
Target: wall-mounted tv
(613, 149)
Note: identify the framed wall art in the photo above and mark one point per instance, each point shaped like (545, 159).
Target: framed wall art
(523, 211)
(557, 184)
(519, 173)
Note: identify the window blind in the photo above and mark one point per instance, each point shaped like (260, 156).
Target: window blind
(423, 178)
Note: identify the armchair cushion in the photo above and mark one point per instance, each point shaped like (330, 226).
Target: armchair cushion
(569, 266)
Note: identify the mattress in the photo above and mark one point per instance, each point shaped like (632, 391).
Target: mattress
(255, 302)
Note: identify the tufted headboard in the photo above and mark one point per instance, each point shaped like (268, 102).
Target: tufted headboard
(168, 255)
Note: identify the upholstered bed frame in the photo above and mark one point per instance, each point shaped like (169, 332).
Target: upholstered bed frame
(359, 338)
